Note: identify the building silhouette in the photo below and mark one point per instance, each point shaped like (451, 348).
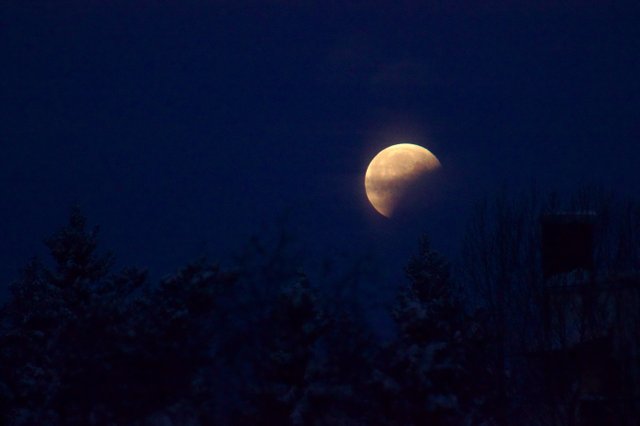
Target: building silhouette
(591, 329)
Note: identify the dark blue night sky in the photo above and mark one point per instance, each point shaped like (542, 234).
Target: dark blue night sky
(184, 127)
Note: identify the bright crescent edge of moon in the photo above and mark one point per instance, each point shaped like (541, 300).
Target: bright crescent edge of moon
(392, 170)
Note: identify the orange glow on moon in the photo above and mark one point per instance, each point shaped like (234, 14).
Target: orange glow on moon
(392, 171)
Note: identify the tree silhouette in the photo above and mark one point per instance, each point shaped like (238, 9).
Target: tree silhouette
(285, 374)
(531, 315)
(431, 373)
(84, 346)
(61, 327)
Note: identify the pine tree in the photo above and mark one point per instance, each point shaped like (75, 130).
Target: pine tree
(428, 375)
(82, 345)
(286, 372)
(427, 360)
(181, 339)
(46, 304)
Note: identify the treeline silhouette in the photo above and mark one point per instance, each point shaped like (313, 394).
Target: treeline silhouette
(258, 343)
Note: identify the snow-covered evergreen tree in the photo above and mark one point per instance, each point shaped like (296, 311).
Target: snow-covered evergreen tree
(426, 376)
(61, 327)
(286, 372)
(181, 337)
(83, 346)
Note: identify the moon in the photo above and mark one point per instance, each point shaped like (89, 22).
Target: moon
(393, 171)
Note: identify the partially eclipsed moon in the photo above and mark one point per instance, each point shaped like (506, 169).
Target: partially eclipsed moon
(393, 171)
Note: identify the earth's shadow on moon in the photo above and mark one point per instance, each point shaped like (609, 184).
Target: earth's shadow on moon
(419, 195)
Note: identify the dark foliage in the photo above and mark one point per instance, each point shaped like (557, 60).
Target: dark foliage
(261, 344)
(84, 346)
(436, 371)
